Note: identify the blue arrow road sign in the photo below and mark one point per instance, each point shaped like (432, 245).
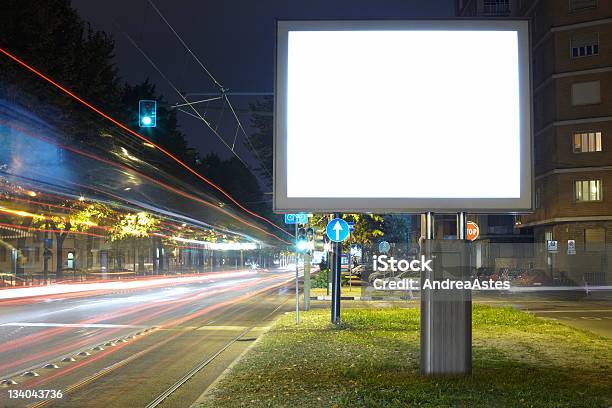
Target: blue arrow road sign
(337, 230)
(296, 218)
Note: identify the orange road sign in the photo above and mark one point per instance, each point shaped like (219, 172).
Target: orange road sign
(473, 231)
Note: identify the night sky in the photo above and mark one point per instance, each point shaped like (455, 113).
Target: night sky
(234, 38)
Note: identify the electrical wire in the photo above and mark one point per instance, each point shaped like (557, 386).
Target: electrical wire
(222, 89)
(138, 135)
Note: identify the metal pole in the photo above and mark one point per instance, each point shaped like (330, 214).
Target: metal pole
(446, 316)
(297, 282)
(461, 226)
(336, 271)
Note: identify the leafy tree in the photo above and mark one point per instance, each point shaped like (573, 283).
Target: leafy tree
(368, 227)
(133, 225)
(235, 178)
(261, 140)
(399, 228)
(51, 36)
(78, 217)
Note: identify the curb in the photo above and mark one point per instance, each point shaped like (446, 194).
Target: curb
(361, 298)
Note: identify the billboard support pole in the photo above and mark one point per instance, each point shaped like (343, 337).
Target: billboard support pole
(336, 273)
(444, 312)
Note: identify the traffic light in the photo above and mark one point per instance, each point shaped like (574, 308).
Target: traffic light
(301, 240)
(147, 113)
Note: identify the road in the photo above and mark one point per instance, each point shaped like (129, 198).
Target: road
(592, 312)
(123, 348)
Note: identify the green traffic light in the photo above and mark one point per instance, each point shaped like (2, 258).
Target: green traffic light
(302, 245)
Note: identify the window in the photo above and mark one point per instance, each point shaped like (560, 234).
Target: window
(582, 4)
(588, 190)
(586, 93)
(496, 7)
(587, 142)
(594, 239)
(584, 45)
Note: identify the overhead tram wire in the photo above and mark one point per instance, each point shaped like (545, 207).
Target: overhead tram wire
(222, 89)
(210, 75)
(188, 103)
(199, 116)
(138, 135)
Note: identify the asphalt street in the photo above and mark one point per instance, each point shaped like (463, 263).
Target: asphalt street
(123, 348)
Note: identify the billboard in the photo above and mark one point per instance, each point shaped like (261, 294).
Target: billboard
(403, 116)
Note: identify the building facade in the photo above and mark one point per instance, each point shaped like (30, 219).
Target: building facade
(572, 103)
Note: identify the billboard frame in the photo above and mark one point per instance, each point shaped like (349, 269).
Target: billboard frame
(524, 204)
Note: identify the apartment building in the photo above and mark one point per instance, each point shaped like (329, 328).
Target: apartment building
(572, 103)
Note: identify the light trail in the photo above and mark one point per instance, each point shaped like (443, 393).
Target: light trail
(14, 293)
(104, 335)
(172, 323)
(150, 179)
(50, 230)
(139, 136)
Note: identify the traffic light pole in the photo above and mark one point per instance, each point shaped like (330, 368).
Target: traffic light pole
(336, 273)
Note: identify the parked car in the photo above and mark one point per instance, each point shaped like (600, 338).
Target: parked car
(533, 277)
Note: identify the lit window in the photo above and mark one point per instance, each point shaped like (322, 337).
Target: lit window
(585, 45)
(588, 190)
(587, 142)
(582, 4)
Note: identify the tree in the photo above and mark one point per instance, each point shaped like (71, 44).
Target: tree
(167, 133)
(133, 229)
(368, 227)
(261, 141)
(235, 178)
(78, 217)
(51, 36)
(133, 225)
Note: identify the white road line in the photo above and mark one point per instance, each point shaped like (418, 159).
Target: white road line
(91, 325)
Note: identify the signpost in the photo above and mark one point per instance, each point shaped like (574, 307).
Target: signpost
(337, 231)
(295, 219)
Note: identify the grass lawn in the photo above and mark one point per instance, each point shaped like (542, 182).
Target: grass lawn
(373, 360)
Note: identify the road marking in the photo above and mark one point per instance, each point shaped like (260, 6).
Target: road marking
(91, 325)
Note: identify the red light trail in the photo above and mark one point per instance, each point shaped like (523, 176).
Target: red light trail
(150, 179)
(139, 136)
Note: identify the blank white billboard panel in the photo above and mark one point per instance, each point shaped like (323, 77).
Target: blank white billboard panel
(403, 116)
